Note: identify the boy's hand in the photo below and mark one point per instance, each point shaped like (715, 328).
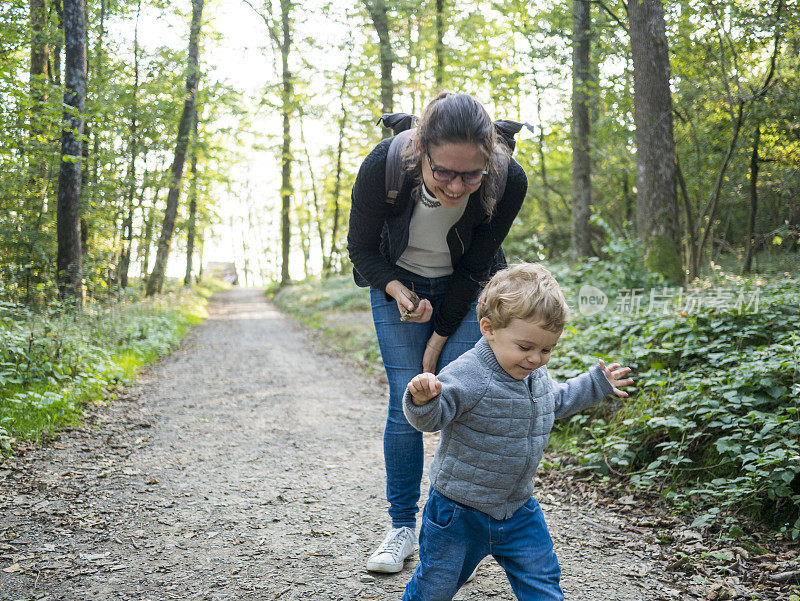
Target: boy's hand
(614, 374)
(423, 388)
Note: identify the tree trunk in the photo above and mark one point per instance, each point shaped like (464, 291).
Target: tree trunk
(581, 160)
(319, 213)
(68, 262)
(200, 258)
(337, 181)
(544, 202)
(190, 231)
(286, 149)
(751, 222)
(127, 224)
(147, 239)
(55, 75)
(39, 58)
(245, 262)
(690, 244)
(97, 76)
(156, 280)
(657, 208)
(380, 19)
(438, 69)
(413, 62)
(305, 244)
(282, 37)
(37, 149)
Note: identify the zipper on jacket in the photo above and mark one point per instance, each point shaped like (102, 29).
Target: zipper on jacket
(530, 431)
(463, 250)
(530, 389)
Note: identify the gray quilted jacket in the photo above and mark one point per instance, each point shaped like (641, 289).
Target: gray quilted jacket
(494, 428)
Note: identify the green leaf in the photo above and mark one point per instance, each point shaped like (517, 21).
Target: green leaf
(703, 519)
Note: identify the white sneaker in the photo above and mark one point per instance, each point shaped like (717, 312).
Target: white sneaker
(392, 552)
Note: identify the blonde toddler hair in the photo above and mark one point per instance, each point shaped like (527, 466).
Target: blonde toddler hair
(525, 291)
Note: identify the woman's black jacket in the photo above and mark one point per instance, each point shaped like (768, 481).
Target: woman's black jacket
(378, 235)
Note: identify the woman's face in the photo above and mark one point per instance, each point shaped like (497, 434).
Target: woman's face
(462, 157)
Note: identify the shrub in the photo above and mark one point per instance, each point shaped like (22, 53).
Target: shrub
(714, 422)
(52, 361)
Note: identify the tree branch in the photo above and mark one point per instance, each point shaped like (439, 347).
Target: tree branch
(776, 48)
(610, 13)
(271, 26)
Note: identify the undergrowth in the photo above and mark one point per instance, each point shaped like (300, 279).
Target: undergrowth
(52, 361)
(335, 307)
(712, 424)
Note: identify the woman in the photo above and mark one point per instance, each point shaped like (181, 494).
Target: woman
(438, 240)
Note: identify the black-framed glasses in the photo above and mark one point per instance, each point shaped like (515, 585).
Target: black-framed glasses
(470, 178)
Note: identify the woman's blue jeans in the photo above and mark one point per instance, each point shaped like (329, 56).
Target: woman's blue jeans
(454, 538)
(402, 345)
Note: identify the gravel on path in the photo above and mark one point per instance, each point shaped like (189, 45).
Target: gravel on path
(248, 465)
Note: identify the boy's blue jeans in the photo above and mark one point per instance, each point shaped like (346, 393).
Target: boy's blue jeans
(454, 538)
(402, 345)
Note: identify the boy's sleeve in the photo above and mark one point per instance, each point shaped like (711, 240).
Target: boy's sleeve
(456, 397)
(581, 392)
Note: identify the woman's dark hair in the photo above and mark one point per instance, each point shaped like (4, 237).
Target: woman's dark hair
(458, 118)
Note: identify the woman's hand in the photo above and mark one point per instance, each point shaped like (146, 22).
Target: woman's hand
(433, 348)
(422, 312)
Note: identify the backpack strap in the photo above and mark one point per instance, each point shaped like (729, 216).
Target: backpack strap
(395, 174)
(507, 129)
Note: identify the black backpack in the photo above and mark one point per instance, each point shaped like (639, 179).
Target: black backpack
(402, 126)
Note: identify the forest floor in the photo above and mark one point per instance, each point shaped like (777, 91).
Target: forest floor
(248, 465)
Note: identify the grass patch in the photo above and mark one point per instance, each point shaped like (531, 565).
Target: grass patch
(340, 311)
(51, 363)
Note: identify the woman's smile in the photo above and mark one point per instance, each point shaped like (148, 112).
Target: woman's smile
(461, 157)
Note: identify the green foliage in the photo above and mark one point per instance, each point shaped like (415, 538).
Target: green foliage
(622, 266)
(714, 422)
(339, 309)
(52, 362)
(131, 113)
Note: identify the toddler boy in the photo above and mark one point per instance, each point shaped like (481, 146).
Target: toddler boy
(495, 406)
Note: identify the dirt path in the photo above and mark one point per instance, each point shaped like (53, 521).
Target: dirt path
(249, 466)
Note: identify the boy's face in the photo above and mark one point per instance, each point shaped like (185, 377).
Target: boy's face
(521, 347)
